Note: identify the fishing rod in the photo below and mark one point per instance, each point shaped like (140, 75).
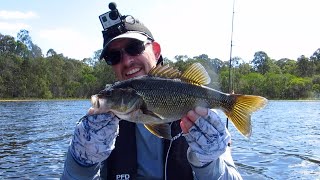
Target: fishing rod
(230, 63)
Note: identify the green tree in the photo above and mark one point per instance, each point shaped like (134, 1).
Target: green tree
(252, 83)
(224, 80)
(315, 58)
(96, 55)
(88, 81)
(275, 85)
(244, 68)
(24, 37)
(104, 74)
(287, 65)
(25, 73)
(305, 67)
(316, 85)
(273, 67)
(7, 45)
(168, 61)
(233, 73)
(55, 74)
(182, 65)
(261, 62)
(71, 83)
(51, 52)
(181, 57)
(299, 88)
(316, 90)
(10, 73)
(34, 73)
(89, 61)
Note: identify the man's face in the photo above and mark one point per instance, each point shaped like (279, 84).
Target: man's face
(132, 66)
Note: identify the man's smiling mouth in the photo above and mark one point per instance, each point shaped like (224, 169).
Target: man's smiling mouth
(132, 71)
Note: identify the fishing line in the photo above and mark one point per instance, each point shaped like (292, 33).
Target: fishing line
(167, 156)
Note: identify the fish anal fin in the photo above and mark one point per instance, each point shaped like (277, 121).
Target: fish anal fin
(196, 74)
(240, 113)
(160, 130)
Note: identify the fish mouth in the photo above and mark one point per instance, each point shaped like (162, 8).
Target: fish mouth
(95, 101)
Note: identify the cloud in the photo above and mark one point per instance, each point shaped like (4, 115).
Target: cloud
(10, 21)
(17, 15)
(13, 27)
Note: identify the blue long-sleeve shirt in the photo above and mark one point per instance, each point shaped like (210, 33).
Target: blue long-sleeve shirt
(150, 162)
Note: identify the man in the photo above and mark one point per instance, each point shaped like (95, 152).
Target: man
(104, 147)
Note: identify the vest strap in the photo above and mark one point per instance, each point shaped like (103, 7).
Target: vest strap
(122, 162)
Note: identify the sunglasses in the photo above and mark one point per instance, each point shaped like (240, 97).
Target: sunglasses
(133, 48)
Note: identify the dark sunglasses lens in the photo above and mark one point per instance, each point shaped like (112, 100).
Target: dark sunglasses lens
(135, 48)
(113, 57)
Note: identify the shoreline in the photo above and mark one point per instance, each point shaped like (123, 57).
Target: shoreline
(31, 100)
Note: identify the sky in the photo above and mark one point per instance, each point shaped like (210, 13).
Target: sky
(281, 28)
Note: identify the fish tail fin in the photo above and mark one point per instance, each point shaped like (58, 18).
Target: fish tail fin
(240, 112)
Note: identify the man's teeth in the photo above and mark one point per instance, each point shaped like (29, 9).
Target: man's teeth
(133, 71)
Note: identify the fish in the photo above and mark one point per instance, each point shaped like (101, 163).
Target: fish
(166, 94)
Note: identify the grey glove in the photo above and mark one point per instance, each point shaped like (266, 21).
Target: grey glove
(207, 139)
(94, 138)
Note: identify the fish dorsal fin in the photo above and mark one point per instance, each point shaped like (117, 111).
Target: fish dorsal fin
(165, 72)
(196, 74)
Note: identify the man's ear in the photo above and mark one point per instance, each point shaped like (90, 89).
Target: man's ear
(156, 49)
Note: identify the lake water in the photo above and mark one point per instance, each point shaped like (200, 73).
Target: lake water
(285, 142)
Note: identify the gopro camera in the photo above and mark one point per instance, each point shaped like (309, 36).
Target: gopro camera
(110, 18)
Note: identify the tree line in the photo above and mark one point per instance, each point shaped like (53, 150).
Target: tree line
(25, 72)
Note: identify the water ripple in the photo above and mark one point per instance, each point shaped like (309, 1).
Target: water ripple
(284, 143)
(35, 136)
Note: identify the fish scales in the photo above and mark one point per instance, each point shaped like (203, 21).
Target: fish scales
(171, 98)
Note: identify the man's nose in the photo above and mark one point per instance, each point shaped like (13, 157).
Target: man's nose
(126, 58)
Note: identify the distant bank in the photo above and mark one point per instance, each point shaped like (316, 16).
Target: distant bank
(28, 100)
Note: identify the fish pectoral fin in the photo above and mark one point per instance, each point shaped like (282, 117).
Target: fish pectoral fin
(150, 113)
(160, 130)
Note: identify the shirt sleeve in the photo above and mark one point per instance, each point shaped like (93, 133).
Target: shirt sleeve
(73, 170)
(222, 168)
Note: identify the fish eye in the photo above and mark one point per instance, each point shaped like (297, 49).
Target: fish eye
(108, 86)
(105, 93)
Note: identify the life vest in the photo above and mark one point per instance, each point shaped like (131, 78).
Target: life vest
(122, 162)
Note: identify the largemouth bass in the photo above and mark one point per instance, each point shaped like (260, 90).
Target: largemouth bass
(166, 94)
